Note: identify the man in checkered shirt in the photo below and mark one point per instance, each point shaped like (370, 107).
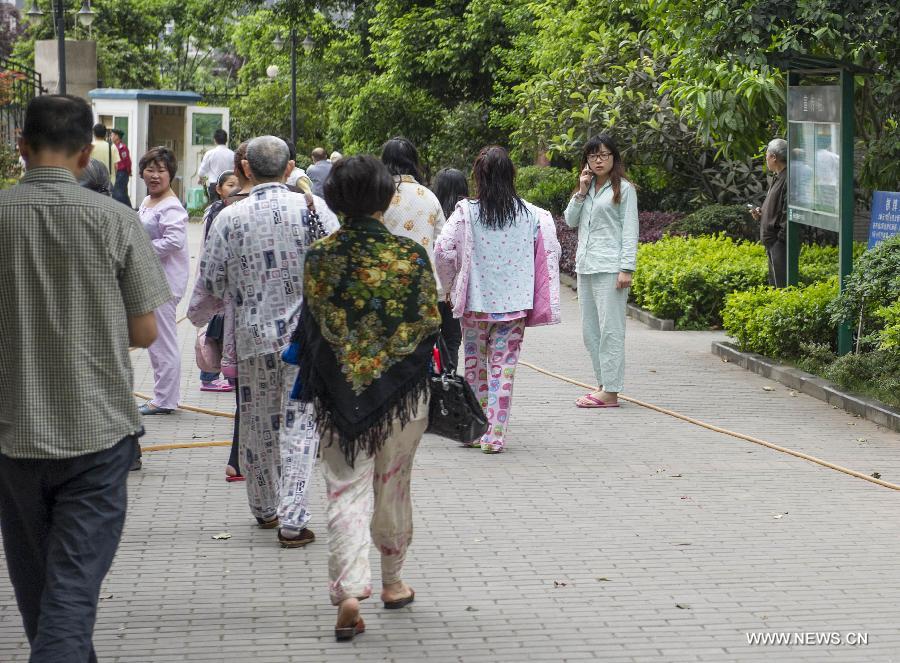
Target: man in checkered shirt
(78, 283)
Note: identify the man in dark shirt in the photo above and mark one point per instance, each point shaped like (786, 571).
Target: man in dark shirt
(772, 216)
(123, 168)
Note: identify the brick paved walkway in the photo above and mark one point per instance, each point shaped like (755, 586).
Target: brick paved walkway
(601, 535)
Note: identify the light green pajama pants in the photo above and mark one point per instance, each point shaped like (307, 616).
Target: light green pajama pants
(603, 327)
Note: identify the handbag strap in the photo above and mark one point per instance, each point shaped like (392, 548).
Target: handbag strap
(444, 352)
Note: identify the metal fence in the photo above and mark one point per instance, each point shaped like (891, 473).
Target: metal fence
(18, 85)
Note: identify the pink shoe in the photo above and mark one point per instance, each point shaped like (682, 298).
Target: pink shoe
(220, 385)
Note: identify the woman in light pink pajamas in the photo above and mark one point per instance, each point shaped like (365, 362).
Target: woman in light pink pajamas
(165, 220)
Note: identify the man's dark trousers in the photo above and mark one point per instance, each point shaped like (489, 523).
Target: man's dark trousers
(120, 188)
(777, 256)
(62, 521)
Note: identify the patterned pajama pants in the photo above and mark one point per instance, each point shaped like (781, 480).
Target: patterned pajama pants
(370, 501)
(492, 352)
(165, 357)
(278, 441)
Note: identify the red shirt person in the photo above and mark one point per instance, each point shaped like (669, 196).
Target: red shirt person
(123, 168)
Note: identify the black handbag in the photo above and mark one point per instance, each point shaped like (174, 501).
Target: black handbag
(454, 412)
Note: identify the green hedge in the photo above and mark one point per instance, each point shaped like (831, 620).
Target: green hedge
(686, 279)
(775, 323)
(733, 220)
(546, 186)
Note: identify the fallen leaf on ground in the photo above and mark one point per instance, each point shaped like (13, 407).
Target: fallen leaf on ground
(222, 536)
(794, 394)
(603, 579)
(104, 597)
(682, 544)
(674, 476)
(768, 388)
(876, 475)
(471, 609)
(682, 606)
(557, 583)
(862, 439)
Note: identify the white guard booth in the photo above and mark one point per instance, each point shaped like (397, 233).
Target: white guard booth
(169, 118)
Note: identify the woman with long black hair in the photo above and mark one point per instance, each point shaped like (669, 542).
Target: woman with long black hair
(488, 255)
(604, 209)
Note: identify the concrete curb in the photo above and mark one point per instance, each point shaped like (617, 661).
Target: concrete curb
(811, 385)
(632, 311)
(649, 319)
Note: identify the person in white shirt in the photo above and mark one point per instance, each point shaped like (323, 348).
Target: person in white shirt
(215, 162)
(416, 213)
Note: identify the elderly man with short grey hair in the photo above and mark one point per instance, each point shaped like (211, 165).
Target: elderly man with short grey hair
(772, 216)
(254, 255)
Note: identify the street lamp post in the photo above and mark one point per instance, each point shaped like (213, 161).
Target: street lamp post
(308, 45)
(85, 16)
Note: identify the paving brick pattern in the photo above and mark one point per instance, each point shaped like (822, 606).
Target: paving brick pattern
(617, 535)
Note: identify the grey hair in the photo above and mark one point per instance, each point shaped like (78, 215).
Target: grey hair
(268, 157)
(778, 148)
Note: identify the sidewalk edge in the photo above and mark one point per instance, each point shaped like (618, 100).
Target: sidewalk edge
(811, 385)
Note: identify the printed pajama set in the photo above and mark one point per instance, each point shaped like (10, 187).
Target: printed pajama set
(278, 441)
(254, 254)
(492, 343)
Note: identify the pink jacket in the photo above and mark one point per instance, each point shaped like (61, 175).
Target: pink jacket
(453, 257)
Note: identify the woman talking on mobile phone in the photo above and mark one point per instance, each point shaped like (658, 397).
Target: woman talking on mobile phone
(604, 209)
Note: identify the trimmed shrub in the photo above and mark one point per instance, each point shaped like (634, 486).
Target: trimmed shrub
(687, 279)
(546, 187)
(875, 374)
(733, 220)
(777, 322)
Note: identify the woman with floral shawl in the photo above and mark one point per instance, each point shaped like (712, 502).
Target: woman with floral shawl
(365, 337)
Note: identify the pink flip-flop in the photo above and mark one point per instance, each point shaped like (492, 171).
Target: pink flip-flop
(594, 402)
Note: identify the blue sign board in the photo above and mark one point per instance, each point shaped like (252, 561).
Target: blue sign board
(885, 216)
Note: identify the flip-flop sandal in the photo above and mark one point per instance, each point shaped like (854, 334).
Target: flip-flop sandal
(593, 402)
(401, 603)
(231, 478)
(345, 633)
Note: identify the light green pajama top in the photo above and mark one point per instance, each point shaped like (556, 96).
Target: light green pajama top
(607, 233)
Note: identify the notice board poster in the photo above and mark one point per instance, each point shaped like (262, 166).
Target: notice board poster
(885, 216)
(814, 156)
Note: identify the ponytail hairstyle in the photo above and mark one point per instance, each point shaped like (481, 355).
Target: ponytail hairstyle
(495, 188)
(617, 174)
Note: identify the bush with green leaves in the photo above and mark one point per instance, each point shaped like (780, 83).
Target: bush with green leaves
(687, 279)
(733, 220)
(889, 335)
(875, 374)
(546, 186)
(776, 322)
(872, 287)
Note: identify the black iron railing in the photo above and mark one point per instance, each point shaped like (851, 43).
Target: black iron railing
(18, 85)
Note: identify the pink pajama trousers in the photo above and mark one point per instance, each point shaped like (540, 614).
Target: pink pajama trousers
(165, 357)
(370, 502)
(492, 353)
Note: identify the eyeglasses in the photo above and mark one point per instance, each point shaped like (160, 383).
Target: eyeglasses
(599, 156)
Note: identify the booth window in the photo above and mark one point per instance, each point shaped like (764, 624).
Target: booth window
(203, 125)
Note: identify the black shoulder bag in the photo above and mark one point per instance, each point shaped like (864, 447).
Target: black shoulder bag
(454, 411)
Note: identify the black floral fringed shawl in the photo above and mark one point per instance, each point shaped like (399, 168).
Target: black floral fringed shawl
(366, 333)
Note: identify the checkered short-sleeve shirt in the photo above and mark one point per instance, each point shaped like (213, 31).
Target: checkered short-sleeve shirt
(73, 266)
